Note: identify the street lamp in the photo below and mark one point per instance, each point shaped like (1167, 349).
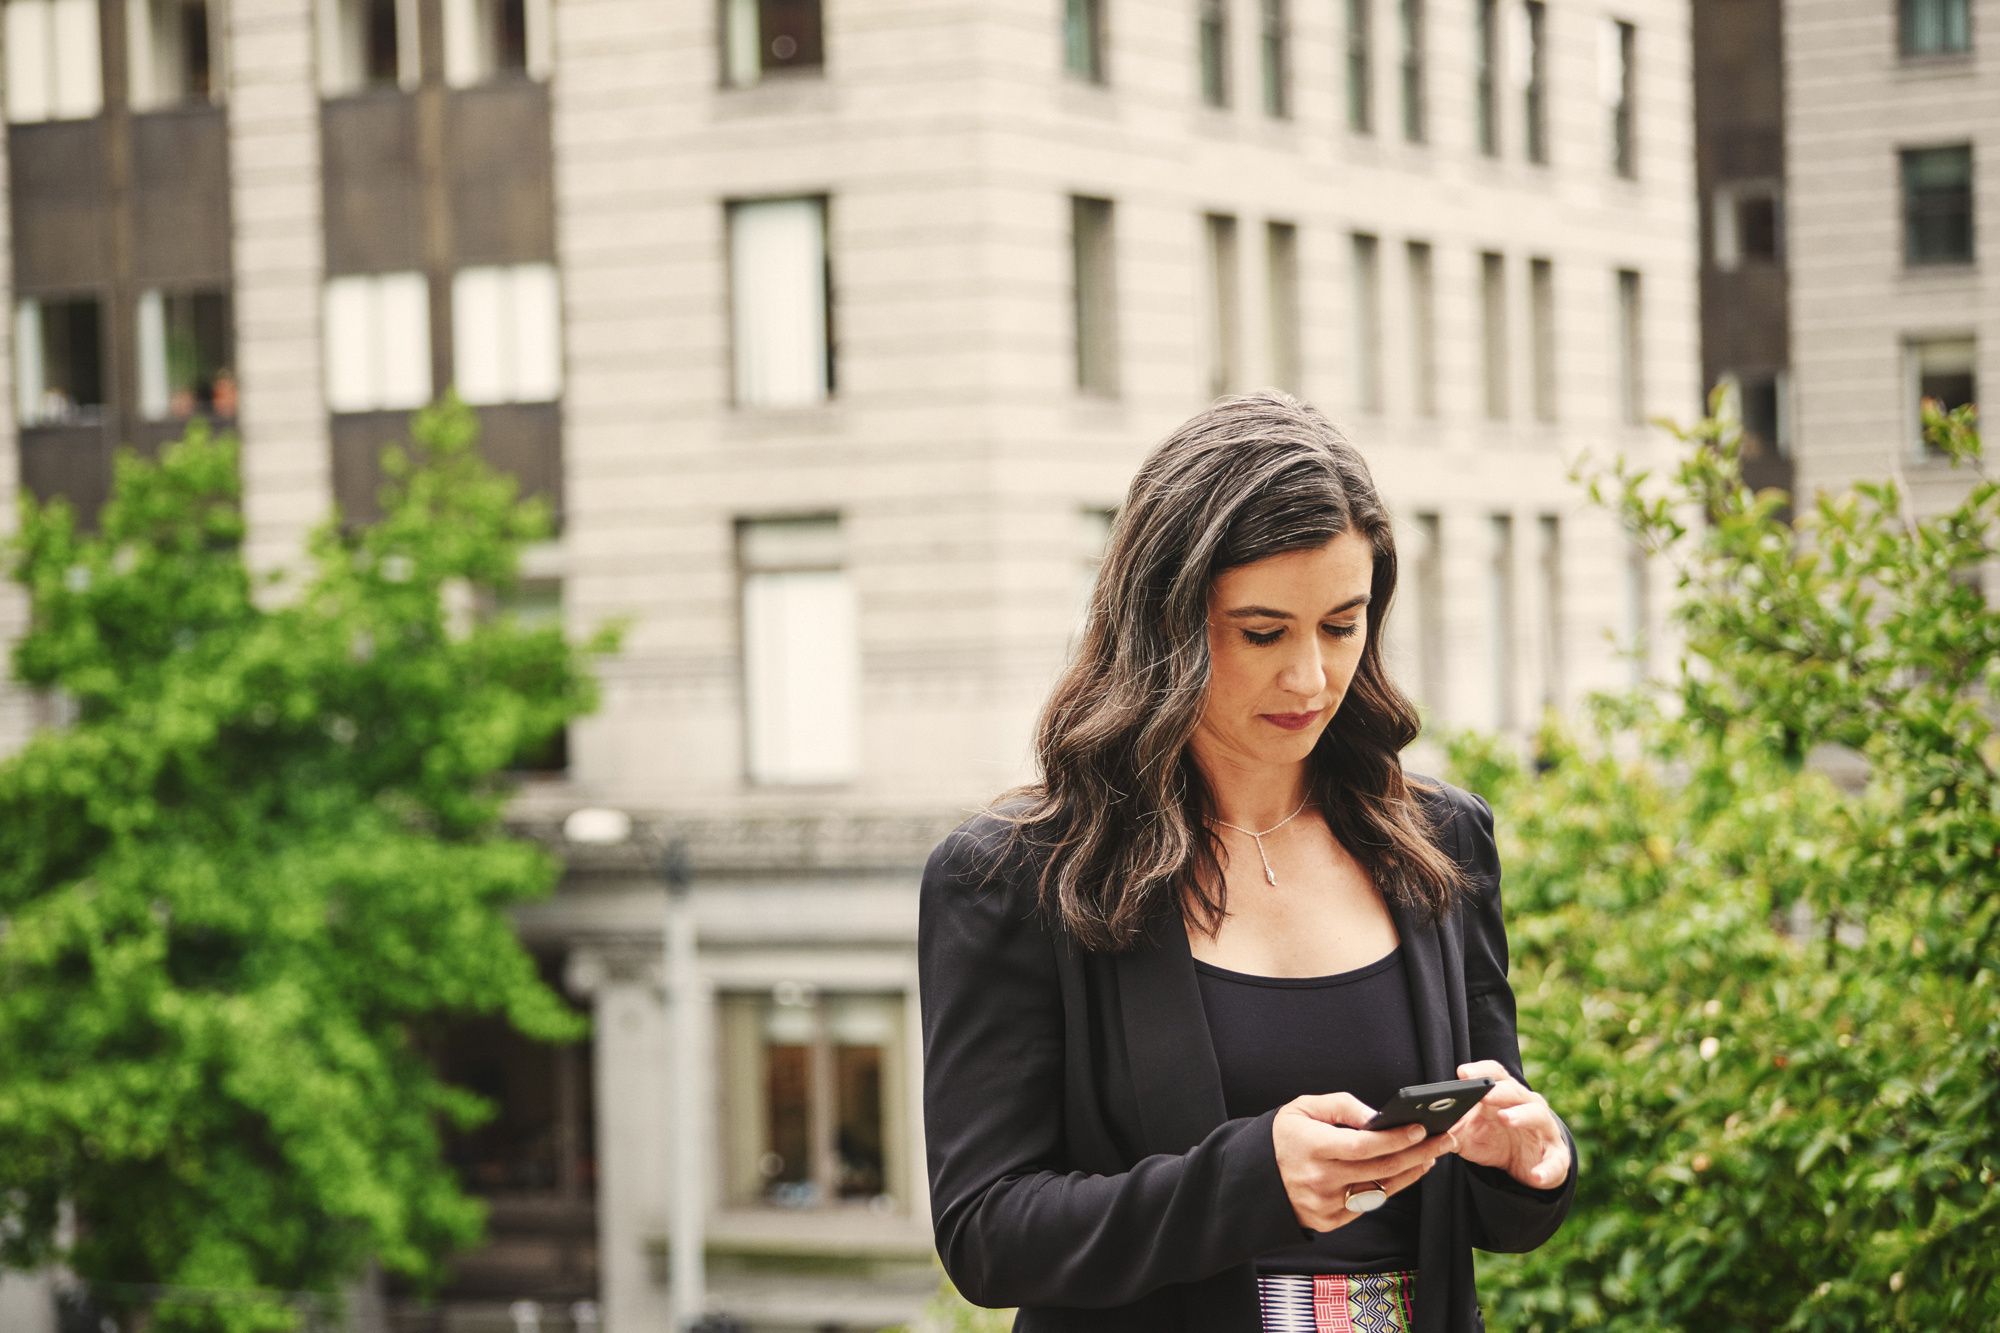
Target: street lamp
(601, 827)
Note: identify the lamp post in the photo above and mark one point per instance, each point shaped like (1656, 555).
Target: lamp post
(668, 857)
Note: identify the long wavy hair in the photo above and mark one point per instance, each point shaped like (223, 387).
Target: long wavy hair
(1120, 817)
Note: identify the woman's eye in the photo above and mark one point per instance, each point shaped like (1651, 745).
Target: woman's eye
(1337, 631)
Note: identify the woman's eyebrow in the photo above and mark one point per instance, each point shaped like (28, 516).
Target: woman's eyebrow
(1268, 613)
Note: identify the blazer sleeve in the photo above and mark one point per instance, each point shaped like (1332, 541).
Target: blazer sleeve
(1507, 1216)
(1014, 1225)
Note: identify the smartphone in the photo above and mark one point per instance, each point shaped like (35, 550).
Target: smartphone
(1435, 1106)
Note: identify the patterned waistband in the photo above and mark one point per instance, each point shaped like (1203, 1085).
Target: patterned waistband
(1338, 1302)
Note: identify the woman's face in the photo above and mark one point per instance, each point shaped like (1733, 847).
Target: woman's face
(1284, 637)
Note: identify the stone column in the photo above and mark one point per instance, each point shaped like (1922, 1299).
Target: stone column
(625, 981)
(278, 261)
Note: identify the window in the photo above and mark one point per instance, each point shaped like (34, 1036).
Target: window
(1936, 27)
(1747, 223)
(1945, 370)
(1549, 558)
(1486, 77)
(1500, 616)
(1360, 74)
(781, 302)
(378, 342)
(1367, 323)
(814, 1088)
(58, 361)
(506, 334)
(54, 71)
(1937, 205)
(764, 37)
(1222, 322)
(1281, 258)
(172, 43)
(1534, 80)
(1616, 86)
(1214, 38)
(1631, 350)
(1097, 525)
(1542, 342)
(1493, 326)
(1277, 61)
(534, 604)
(1428, 579)
(367, 44)
(1415, 130)
(489, 39)
(1423, 327)
(1083, 39)
(1638, 608)
(1095, 294)
(184, 355)
(801, 652)
(1760, 409)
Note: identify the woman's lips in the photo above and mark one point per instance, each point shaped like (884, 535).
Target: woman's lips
(1291, 721)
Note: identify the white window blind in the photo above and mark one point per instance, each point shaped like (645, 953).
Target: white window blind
(486, 38)
(30, 370)
(152, 355)
(778, 298)
(54, 69)
(377, 342)
(506, 344)
(802, 657)
(343, 45)
(165, 67)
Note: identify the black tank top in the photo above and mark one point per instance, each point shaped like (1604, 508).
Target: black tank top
(1277, 1038)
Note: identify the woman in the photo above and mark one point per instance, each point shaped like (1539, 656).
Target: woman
(1164, 985)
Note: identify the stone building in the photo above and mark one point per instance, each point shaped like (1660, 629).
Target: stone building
(1892, 128)
(835, 332)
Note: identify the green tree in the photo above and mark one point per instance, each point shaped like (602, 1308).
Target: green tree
(262, 864)
(1755, 917)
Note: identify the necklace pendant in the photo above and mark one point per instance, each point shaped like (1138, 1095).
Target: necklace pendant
(1269, 878)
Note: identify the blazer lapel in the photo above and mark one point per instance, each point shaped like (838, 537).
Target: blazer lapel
(1423, 965)
(1174, 1072)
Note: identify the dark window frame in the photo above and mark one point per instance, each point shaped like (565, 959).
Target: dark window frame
(1416, 123)
(1212, 49)
(1944, 205)
(1360, 68)
(1950, 44)
(807, 61)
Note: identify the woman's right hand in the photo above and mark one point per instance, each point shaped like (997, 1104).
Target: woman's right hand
(1321, 1151)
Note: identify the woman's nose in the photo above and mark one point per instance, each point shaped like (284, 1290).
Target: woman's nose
(1305, 674)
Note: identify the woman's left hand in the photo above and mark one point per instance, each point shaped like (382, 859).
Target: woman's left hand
(1512, 1127)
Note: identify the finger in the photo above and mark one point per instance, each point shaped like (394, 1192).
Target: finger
(1533, 1114)
(1367, 1145)
(1553, 1167)
(1336, 1108)
(1417, 1155)
(1485, 1069)
(1510, 1093)
(1391, 1183)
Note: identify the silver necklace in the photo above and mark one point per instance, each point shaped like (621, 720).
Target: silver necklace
(1269, 878)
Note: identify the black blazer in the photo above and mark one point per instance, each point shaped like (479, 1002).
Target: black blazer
(1081, 1165)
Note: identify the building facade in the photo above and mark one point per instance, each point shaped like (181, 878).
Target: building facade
(1892, 117)
(835, 332)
